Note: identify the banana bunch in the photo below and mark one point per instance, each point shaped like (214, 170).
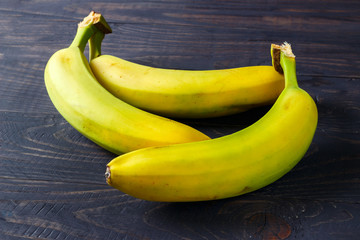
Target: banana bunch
(185, 93)
(96, 113)
(109, 100)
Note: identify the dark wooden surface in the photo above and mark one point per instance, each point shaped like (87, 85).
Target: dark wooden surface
(51, 178)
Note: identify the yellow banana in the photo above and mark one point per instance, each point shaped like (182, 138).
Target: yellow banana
(96, 113)
(227, 166)
(185, 93)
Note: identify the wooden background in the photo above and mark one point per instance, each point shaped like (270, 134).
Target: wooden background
(52, 179)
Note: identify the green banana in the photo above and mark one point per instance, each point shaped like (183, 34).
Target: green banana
(96, 113)
(185, 93)
(227, 166)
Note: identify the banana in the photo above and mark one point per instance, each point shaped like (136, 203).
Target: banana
(185, 93)
(230, 165)
(96, 113)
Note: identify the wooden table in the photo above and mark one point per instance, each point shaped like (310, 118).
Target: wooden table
(52, 182)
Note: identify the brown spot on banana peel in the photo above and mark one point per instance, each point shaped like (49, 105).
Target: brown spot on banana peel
(246, 189)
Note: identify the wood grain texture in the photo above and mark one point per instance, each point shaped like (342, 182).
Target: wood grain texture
(52, 178)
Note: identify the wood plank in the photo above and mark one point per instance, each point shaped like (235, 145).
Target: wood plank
(282, 24)
(79, 211)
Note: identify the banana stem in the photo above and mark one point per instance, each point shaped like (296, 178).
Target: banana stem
(91, 24)
(289, 66)
(82, 36)
(95, 45)
(275, 56)
(284, 62)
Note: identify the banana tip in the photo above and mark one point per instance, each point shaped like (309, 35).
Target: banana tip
(108, 175)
